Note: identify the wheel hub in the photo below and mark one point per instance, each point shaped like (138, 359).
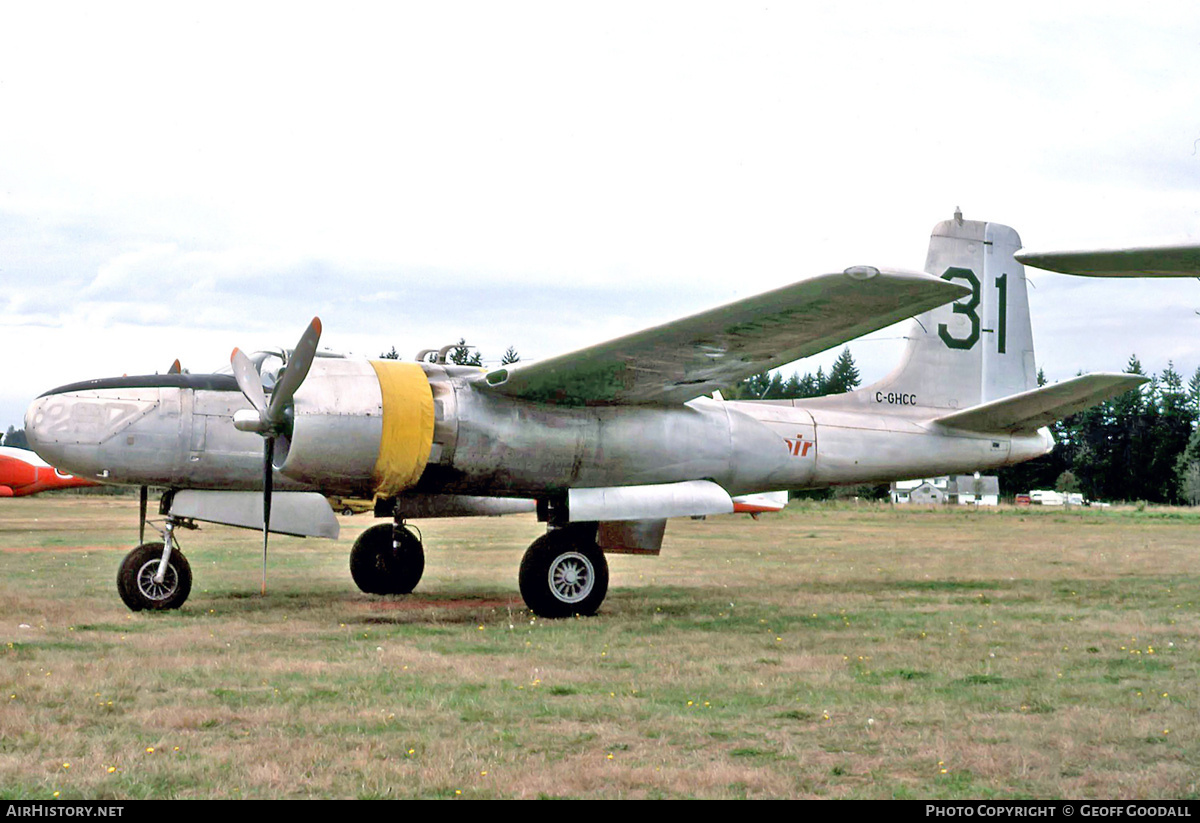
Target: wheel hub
(571, 577)
(152, 590)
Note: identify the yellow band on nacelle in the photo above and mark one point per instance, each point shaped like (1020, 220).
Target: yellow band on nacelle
(407, 425)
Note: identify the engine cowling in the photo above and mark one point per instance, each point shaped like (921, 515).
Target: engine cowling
(360, 425)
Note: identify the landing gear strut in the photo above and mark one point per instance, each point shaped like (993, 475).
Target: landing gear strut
(564, 572)
(156, 576)
(387, 559)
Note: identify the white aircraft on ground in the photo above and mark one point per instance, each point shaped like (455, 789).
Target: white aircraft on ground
(605, 443)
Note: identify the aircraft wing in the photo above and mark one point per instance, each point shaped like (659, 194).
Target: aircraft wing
(698, 355)
(1030, 410)
(1163, 261)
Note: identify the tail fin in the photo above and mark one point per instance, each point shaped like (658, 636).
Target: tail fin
(979, 348)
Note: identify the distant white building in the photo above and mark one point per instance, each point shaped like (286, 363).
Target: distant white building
(925, 491)
(963, 489)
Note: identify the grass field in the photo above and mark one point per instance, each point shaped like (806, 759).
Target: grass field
(829, 651)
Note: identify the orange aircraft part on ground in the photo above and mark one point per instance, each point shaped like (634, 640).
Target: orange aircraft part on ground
(22, 472)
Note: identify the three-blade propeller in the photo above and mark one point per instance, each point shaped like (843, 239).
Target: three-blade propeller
(272, 419)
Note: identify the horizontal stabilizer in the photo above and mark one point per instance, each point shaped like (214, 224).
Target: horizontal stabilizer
(1030, 410)
(695, 356)
(1163, 261)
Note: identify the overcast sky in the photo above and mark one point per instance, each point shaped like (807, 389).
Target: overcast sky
(177, 179)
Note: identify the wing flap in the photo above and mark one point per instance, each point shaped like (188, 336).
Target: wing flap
(302, 514)
(1030, 410)
(698, 355)
(1161, 261)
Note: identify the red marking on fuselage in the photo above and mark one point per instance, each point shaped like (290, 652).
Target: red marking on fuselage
(799, 446)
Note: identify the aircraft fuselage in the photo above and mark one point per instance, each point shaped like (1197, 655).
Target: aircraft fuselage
(177, 431)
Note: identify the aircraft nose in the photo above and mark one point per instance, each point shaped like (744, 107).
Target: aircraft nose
(118, 429)
(48, 432)
(80, 428)
(36, 425)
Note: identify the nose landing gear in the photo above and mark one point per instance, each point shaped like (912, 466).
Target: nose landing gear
(156, 576)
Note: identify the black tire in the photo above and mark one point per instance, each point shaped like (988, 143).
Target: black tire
(564, 573)
(387, 561)
(135, 579)
(347, 511)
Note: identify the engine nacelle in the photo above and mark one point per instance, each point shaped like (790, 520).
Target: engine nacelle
(360, 425)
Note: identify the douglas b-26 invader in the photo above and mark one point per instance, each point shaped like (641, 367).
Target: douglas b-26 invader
(604, 443)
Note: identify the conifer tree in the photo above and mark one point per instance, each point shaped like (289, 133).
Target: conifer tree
(843, 376)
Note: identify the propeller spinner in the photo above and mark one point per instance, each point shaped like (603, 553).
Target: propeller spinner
(272, 419)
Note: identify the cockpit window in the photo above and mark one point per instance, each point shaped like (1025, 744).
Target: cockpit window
(271, 363)
(270, 366)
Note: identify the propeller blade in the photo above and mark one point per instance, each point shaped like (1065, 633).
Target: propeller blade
(176, 368)
(272, 420)
(268, 482)
(297, 369)
(248, 380)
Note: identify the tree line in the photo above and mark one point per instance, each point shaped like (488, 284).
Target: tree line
(1142, 445)
(843, 376)
(462, 355)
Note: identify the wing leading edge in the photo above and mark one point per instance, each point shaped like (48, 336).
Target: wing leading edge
(1162, 261)
(695, 356)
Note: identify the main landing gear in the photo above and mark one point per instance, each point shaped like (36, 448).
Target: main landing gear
(387, 559)
(563, 573)
(156, 576)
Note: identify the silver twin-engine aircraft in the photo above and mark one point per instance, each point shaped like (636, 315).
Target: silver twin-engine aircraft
(604, 443)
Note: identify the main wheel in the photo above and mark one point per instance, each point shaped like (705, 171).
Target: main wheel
(387, 560)
(563, 573)
(135, 579)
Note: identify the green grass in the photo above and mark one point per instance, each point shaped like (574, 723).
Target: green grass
(831, 651)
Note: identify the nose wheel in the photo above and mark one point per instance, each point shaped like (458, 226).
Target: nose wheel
(141, 586)
(564, 572)
(156, 576)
